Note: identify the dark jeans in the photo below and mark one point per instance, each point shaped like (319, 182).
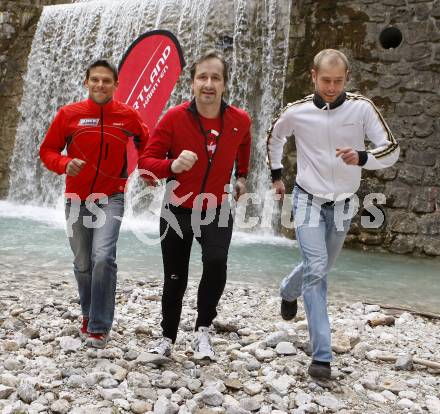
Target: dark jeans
(214, 241)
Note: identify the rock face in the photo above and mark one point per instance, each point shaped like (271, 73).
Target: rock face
(18, 21)
(236, 383)
(400, 81)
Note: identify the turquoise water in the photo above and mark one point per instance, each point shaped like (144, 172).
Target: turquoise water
(34, 239)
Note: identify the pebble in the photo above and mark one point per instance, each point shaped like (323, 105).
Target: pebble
(60, 407)
(285, 348)
(261, 366)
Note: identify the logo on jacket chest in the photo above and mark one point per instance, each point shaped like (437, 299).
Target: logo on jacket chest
(88, 122)
(211, 141)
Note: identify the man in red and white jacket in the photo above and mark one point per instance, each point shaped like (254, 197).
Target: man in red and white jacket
(196, 144)
(95, 133)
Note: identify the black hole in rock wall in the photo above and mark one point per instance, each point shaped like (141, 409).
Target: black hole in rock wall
(390, 38)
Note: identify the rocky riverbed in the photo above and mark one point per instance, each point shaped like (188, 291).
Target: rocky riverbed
(261, 367)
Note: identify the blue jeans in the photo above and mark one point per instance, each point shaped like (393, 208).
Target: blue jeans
(93, 242)
(320, 233)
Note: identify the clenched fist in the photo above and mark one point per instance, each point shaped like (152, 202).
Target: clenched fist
(74, 167)
(184, 162)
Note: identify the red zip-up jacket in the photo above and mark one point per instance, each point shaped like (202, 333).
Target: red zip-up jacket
(179, 130)
(97, 134)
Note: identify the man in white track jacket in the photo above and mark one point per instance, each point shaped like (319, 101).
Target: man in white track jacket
(330, 127)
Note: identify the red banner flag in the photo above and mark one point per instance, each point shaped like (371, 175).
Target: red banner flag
(148, 73)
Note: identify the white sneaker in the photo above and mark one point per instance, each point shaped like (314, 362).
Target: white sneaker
(202, 345)
(162, 347)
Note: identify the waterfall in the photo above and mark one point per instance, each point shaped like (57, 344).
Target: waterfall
(252, 34)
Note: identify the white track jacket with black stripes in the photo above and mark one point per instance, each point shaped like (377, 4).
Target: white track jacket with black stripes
(319, 129)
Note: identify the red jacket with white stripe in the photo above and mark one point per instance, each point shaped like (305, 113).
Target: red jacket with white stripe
(179, 130)
(97, 134)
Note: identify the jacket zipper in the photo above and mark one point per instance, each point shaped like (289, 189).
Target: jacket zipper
(332, 149)
(210, 159)
(100, 150)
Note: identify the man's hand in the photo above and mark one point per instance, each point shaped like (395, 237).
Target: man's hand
(348, 155)
(279, 188)
(74, 167)
(240, 188)
(184, 162)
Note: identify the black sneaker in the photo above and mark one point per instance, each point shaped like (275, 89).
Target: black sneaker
(320, 370)
(288, 309)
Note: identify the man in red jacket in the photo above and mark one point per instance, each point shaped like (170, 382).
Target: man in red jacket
(196, 144)
(95, 133)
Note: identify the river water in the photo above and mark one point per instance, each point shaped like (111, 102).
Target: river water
(33, 240)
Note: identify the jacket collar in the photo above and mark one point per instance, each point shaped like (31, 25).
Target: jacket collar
(95, 107)
(321, 104)
(193, 107)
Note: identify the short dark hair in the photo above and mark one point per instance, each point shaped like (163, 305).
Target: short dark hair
(103, 63)
(210, 54)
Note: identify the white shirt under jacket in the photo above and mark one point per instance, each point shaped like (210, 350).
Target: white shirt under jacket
(319, 132)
